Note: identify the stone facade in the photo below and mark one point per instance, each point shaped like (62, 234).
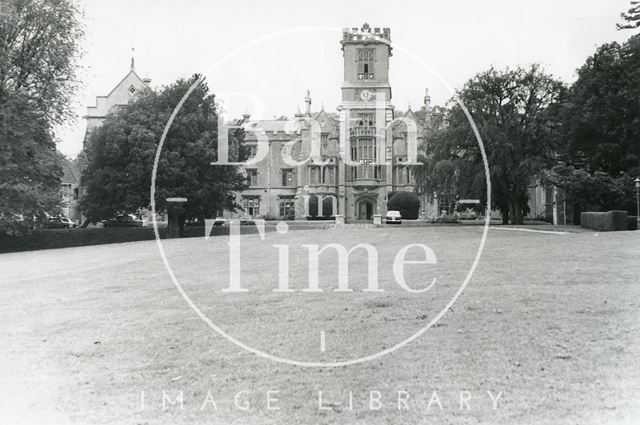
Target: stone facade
(363, 150)
(119, 96)
(71, 191)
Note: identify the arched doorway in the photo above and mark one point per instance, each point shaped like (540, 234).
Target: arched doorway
(366, 209)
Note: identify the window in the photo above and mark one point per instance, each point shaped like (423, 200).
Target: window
(366, 172)
(287, 177)
(324, 143)
(287, 208)
(322, 175)
(366, 119)
(365, 64)
(132, 89)
(252, 177)
(253, 150)
(363, 149)
(75, 194)
(251, 206)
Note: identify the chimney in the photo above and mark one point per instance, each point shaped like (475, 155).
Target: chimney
(427, 99)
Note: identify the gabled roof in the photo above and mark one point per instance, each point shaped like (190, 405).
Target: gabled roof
(135, 74)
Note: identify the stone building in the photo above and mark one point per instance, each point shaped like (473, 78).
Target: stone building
(364, 150)
(70, 190)
(119, 96)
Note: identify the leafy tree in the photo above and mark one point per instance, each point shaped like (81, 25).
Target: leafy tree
(631, 18)
(39, 42)
(30, 169)
(591, 191)
(120, 156)
(516, 112)
(601, 131)
(39, 50)
(602, 121)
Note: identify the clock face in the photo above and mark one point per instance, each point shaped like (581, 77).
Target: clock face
(366, 95)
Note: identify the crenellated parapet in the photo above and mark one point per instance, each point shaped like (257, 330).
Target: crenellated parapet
(366, 34)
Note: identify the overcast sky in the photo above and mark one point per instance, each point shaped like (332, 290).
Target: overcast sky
(457, 39)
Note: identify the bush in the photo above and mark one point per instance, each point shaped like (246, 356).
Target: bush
(604, 221)
(407, 203)
(447, 218)
(65, 238)
(632, 222)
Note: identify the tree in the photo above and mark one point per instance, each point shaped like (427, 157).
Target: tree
(591, 191)
(30, 169)
(39, 42)
(39, 50)
(600, 153)
(602, 121)
(516, 112)
(120, 156)
(631, 18)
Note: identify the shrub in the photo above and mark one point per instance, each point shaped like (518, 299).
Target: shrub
(65, 238)
(446, 218)
(604, 221)
(408, 203)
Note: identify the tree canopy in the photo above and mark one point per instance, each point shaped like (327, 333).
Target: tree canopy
(600, 152)
(39, 52)
(631, 17)
(30, 169)
(120, 156)
(602, 121)
(39, 49)
(516, 111)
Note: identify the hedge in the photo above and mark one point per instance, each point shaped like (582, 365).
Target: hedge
(408, 203)
(605, 221)
(65, 238)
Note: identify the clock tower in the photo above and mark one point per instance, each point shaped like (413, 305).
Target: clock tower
(365, 112)
(366, 53)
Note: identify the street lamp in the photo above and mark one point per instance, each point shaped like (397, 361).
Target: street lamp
(637, 182)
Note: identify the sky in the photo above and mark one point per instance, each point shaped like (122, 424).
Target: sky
(262, 57)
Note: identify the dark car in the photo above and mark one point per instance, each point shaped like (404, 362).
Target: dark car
(123, 220)
(59, 222)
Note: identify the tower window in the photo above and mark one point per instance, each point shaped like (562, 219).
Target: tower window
(366, 119)
(365, 64)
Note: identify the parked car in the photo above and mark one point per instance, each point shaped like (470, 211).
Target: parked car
(393, 217)
(216, 222)
(59, 222)
(221, 222)
(123, 220)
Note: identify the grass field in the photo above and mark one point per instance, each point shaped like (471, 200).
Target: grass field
(551, 322)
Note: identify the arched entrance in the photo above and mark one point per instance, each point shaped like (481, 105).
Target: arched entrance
(366, 209)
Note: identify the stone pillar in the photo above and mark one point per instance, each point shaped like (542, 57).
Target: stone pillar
(176, 217)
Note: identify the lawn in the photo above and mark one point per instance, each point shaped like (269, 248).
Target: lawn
(548, 327)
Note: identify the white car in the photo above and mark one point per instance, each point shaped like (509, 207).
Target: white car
(393, 217)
